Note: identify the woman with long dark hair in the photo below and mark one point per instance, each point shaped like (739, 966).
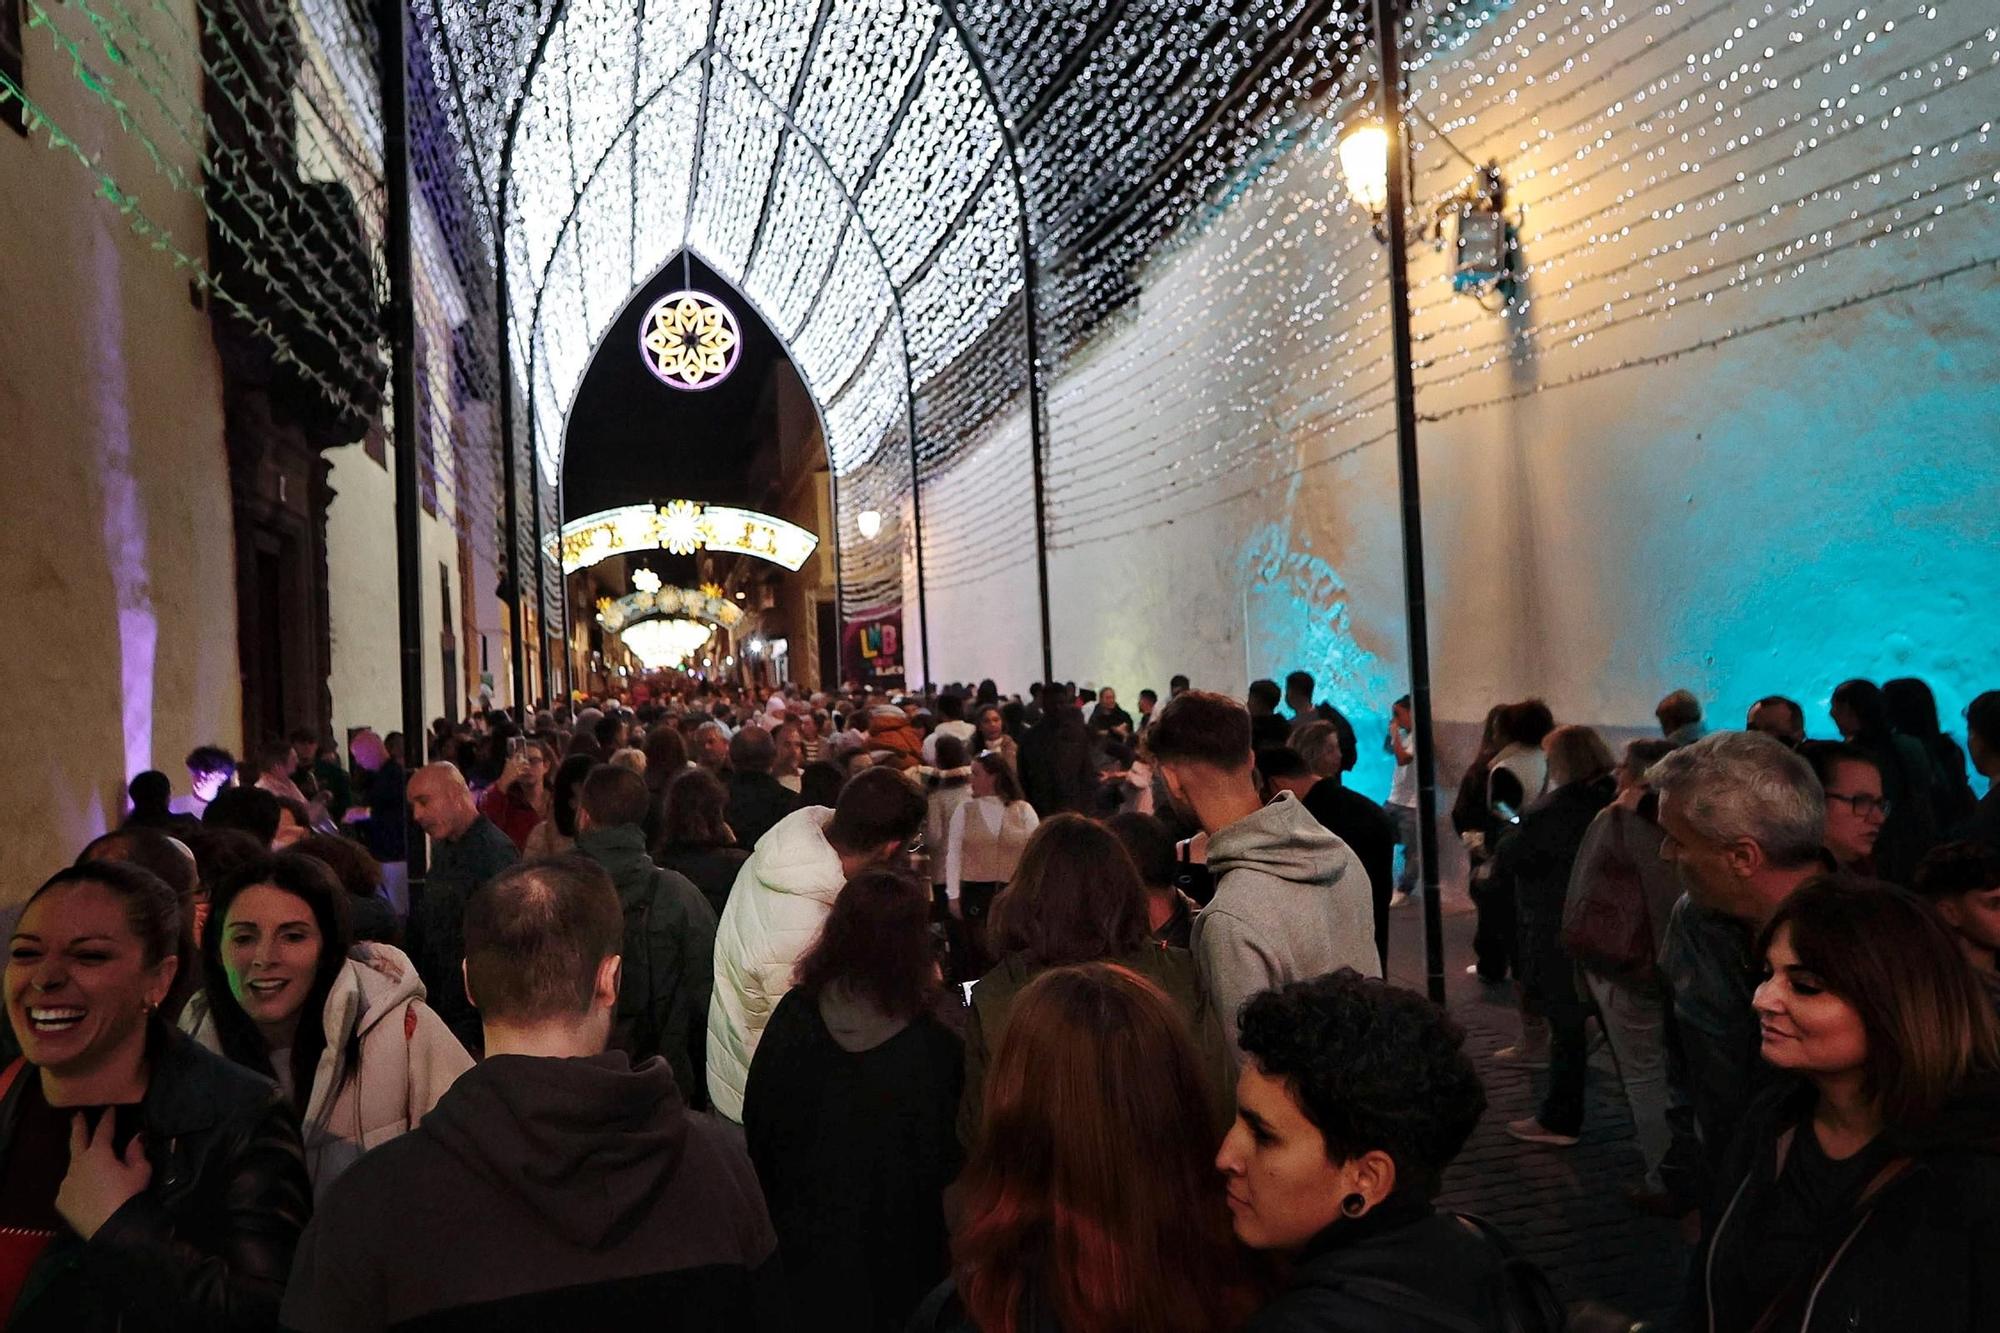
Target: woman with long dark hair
(1090, 1203)
(1076, 898)
(982, 844)
(342, 1028)
(557, 834)
(666, 759)
(848, 1112)
(145, 1183)
(695, 837)
(1913, 712)
(1863, 1192)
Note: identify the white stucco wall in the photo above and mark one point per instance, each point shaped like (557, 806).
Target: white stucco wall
(1656, 472)
(117, 584)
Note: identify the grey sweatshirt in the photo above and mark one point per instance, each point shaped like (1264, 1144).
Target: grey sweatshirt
(1291, 903)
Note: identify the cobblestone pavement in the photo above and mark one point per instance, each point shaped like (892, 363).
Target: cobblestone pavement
(1561, 1206)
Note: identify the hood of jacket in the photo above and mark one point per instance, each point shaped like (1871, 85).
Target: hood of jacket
(1281, 840)
(853, 1020)
(622, 853)
(587, 1145)
(795, 857)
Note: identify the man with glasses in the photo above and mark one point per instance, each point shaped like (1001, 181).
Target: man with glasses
(782, 897)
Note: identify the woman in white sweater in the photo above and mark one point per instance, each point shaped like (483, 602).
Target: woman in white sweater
(343, 1030)
(983, 845)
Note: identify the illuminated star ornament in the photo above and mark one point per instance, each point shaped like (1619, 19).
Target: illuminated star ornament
(690, 340)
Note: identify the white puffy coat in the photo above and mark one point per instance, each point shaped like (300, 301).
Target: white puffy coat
(781, 898)
(408, 1057)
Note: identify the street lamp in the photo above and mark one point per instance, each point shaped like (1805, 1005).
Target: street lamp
(1364, 162)
(1391, 227)
(869, 522)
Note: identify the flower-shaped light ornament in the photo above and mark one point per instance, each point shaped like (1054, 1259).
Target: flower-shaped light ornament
(690, 340)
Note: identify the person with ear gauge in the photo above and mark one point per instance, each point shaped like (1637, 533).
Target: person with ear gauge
(1352, 1100)
(145, 1183)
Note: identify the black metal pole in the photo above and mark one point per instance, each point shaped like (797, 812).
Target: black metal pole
(535, 545)
(1030, 275)
(1412, 503)
(509, 481)
(917, 521)
(402, 330)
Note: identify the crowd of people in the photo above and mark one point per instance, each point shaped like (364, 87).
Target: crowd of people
(954, 1011)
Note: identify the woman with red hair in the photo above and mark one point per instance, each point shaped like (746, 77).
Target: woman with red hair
(1090, 1202)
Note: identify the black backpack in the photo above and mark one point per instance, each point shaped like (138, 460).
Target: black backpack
(1520, 1292)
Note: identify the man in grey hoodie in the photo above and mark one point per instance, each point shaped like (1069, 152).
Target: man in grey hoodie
(1291, 899)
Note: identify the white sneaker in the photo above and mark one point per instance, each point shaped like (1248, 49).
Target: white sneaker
(1398, 899)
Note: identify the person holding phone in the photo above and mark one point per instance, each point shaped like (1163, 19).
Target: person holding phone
(519, 799)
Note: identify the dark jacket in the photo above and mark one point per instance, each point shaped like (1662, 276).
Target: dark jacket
(1708, 962)
(1172, 970)
(388, 827)
(1104, 719)
(713, 870)
(1915, 1252)
(756, 802)
(1536, 859)
(209, 1242)
(1367, 829)
(545, 1193)
(669, 959)
(459, 867)
(849, 1118)
(1402, 1268)
(1984, 826)
(943, 1312)
(1057, 774)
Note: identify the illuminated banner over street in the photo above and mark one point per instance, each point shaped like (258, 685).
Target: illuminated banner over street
(680, 527)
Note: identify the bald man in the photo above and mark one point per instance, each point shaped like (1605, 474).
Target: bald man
(467, 849)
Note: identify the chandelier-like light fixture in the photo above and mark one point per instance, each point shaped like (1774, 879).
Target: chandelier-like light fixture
(690, 340)
(665, 643)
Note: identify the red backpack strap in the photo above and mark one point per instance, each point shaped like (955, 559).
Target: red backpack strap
(10, 1073)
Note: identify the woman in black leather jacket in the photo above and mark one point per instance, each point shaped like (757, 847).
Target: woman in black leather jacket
(145, 1184)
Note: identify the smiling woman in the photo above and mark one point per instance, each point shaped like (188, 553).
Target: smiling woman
(128, 1227)
(342, 1027)
(1865, 1186)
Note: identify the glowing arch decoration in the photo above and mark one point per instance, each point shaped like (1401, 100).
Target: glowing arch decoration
(680, 527)
(618, 613)
(690, 340)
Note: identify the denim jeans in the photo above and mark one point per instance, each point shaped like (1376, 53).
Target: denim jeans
(1634, 1020)
(1405, 817)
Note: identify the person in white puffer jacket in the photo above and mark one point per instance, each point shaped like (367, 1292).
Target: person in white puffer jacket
(342, 1028)
(781, 898)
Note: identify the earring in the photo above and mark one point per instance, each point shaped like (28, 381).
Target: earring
(1354, 1205)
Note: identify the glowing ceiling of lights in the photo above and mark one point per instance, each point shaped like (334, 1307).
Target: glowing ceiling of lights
(818, 157)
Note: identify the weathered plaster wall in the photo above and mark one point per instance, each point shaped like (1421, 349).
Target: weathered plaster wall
(361, 558)
(117, 585)
(1658, 472)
